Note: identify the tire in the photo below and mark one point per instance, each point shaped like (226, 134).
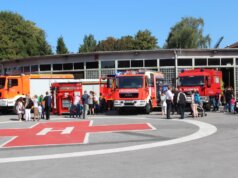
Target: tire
(148, 108)
(120, 111)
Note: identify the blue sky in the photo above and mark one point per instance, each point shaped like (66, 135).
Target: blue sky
(103, 18)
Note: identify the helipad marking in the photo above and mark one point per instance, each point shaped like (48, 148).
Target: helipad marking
(205, 129)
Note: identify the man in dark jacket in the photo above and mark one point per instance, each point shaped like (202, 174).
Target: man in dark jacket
(47, 101)
(181, 100)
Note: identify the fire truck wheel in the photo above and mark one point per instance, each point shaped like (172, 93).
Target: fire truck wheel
(148, 108)
(120, 111)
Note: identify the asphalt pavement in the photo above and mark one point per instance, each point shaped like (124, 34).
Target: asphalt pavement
(114, 146)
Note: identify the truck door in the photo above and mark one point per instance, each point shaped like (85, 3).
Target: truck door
(13, 87)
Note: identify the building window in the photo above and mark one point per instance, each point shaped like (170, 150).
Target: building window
(200, 62)
(68, 66)
(26, 69)
(34, 68)
(151, 63)
(57, 67)
(167, 62)
(137, 63)
(79, 65)
(184, 62)
(213, 61)
(92, 65)
(45, 67)
(227, 61)
(123, 64)
(107, 64)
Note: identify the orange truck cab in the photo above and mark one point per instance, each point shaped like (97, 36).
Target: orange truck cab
(13, 88)
(208, 82)
(138, 89)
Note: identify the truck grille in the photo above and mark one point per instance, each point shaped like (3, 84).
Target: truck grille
(129, 95)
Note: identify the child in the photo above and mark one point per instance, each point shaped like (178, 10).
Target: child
(79, 109)
(72, 110)
(40, 111)
(232, 104)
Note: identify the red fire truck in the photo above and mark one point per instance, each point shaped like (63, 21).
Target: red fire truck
(63, 94)
(207, 81)
(137, 89)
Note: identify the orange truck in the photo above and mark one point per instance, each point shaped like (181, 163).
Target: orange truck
(138, 89)
(14, 87)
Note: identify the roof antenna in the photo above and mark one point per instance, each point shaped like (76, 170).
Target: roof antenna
(218, 42)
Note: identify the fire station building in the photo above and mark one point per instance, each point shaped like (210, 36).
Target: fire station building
(96, 64)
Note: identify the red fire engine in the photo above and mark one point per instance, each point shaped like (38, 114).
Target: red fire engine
(207, 81)
(107, 89)
(137, 89)
(63, 94)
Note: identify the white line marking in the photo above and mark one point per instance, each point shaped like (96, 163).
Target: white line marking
(205, 129)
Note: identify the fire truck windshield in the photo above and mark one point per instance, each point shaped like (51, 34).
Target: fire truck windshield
(129, 82)
(192, 81)
(2, 82)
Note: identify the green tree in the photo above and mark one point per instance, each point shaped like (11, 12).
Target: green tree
(20, 38)
(126, 43)
(188, 33)
(110, 44)
(144, 40)
(61, 47)
(89, 44)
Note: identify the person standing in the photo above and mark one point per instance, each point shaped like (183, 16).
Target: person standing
(41, 101)
(20, 109)
(169, 100)
(175, 104)
(36, 111)
(85, 98)
(47, 101)
(41, 116)
(181, 100)
(28, 106)
(163, 103)
(90, 103)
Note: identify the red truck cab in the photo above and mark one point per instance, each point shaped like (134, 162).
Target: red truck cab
(208, 82)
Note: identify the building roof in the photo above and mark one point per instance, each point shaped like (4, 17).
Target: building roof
(234, 45)
(96, 55)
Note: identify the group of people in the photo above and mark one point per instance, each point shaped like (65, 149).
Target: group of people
(88, 104)
(175, 101)
(40, 105)
(226, 99)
